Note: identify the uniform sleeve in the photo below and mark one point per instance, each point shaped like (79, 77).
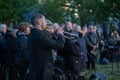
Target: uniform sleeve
(49, 43)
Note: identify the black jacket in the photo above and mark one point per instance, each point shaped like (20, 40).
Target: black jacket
(83, 47)
(91, 40)
(2, 42)
(22, 57)
(2, 48)
(40, 46)
(11, 49)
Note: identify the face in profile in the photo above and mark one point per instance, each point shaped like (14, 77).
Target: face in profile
(27, 31)
(39, 21)
(4, 30)
(56, 26)
(91, 28)
(42, 22)
(52, 30)
(69, 26)
(85, 30)
(24, 27)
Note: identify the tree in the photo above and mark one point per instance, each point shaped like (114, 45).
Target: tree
(99, 10)
(53, 10)
(87, 10)
(12, 10)
(81, 11)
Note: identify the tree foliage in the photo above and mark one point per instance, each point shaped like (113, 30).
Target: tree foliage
(99, 10)
(53, 10)
(88, 10)
(11, 10)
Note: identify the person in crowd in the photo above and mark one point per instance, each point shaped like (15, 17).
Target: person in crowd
(111, 39)
(92, 46)
(74, 25)
(85, 29)
(68, 27)
(40, 46)
(11, 48)
(111, 45)
(117, 38)
(52, 30)
(101, 42)
(101, 37)
(116, 35)
(3, 29)
(85, 51)
(81, 40)
(82, 44)
(71, 53)
(22, 55)
(56, 26)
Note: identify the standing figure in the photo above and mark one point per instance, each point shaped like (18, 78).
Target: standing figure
(40, 46)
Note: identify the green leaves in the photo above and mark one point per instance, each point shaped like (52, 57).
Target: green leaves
(11, 10)
(53, 10)
(88, 10)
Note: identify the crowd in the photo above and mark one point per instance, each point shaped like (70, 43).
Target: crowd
(28, 52)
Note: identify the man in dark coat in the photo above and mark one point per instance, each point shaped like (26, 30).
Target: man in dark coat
(92, 45)
(10, 42)
(40, 46)
(81, 40)
(2, 50)
(71, 53)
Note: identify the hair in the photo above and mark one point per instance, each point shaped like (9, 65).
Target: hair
(66, 23)
(23, 26)
(3, 26)
(35, 17)
(76, 27)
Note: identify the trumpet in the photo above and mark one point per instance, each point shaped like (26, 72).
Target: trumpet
(69, 35)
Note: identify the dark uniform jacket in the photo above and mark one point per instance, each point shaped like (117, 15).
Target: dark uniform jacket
(22, 57)
(11, 48)
(2, 48)
(40, 46)
(111, 41)
(91, 40)
(72, 55)
(82, 44)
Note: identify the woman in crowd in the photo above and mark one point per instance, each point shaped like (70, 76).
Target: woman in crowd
(22, 55)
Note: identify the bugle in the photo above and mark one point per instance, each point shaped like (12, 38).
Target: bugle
(70, 35)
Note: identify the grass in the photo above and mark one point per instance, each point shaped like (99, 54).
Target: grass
(107, 69)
